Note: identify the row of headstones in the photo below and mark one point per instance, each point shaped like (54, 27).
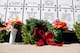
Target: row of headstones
(43, 3)
(70, 16)
(41, 9)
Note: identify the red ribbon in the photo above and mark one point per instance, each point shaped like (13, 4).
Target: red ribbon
(45, 38)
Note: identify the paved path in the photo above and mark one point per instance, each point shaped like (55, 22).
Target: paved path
(20, 48)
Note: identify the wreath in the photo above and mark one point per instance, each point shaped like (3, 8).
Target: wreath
(40, 32)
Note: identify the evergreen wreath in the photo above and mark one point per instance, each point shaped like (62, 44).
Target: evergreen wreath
(28, 31)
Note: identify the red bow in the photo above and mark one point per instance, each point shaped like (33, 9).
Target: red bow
(45, 38)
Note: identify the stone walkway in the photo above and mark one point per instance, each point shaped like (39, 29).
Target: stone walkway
(20, 48)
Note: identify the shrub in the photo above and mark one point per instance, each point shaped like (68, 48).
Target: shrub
(77, 30)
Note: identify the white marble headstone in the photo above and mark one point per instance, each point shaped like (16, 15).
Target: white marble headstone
(65, 3)
(12, 12)
(76, 4)
(49, 3)
(66, 15)
(49, 14)
(2, 13)
(32, 2)
(15, 2)
(31, 12)
(3, 2)
(77, 15)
